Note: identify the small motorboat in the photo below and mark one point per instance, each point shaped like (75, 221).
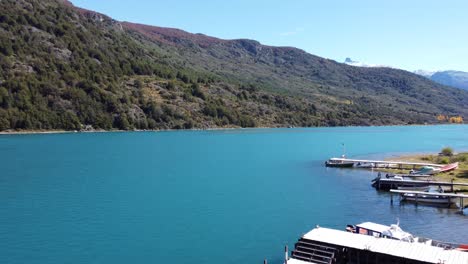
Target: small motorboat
(428, 170)
(378, 230)
(408, 176)
(364, 165)
(338, 163)
(386, 166)
(414, 188)
(394, 231)
(449, 167)
(463, 247)
(388, 182)
(427, 198)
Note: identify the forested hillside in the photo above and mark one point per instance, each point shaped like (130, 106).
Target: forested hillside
(66, 68)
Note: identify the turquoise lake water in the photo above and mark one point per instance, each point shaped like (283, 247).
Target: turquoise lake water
(232, 196)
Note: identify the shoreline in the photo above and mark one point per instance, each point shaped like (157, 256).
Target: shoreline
(458, 175)
(31, 132)
(27, 132)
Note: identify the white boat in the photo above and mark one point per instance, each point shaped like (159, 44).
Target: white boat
(395, 232)
(391, 182)
(414, 188)
(378, 230)
(428, 170)
(324, 245)
(386, 166)
(430, 199)
(338, 163)
(364, 165)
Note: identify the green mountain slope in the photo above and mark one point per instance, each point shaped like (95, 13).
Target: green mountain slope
(297, 72)
(65, 68)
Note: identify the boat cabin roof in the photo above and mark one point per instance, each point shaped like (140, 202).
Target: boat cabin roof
(393, 231)
(416, 251)
(374, 226)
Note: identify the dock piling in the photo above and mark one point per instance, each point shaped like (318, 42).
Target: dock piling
(461, 205)
(286, 254)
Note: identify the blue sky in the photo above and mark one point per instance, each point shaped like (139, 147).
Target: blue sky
(407, 34)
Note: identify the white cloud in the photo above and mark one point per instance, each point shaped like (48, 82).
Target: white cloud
(425, 73)
(363, 64)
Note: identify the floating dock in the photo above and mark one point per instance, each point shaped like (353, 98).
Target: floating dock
(327, 246)
(387, 184)
(399, 164)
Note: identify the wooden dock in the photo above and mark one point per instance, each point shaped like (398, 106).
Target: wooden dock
(400, 164)
(432, 183)
(387, 184)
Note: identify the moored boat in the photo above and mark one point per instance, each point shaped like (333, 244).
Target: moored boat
(371, 243)
(398, 182)
(364, 165)
(394, 231)
(426, 170)
(429, 199)
(386, 166)
(408, 176)
(378, 230)
(449, 167)
(338, 163)
(414, 188)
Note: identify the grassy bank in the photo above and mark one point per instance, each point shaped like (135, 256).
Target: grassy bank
(458, 175)
(446, 156)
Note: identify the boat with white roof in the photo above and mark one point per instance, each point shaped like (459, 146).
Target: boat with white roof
(378, 230)
(395, 232)
(371, 243)
(338, 163)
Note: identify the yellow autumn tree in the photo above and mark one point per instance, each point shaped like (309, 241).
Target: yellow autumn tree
(441, 118)
(456, 119)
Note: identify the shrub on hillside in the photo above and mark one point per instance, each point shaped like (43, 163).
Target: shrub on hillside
(447, 151)
(444, 160)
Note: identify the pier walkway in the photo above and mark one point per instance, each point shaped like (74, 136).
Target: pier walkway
(400, 164)
(390, 183)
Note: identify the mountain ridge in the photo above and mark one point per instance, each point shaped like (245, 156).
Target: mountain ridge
(68, 68)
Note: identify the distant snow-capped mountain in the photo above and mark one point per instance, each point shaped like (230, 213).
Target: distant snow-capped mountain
(456, 79)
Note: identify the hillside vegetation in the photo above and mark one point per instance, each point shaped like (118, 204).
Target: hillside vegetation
(66, 68)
